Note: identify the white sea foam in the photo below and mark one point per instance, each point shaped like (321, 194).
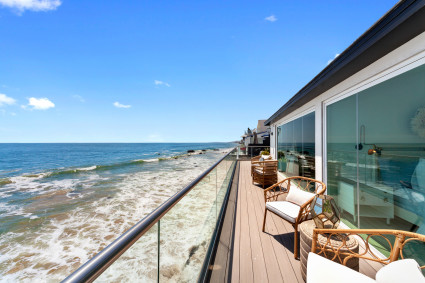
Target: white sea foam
(149, 160)
(87, 168)
(100, 209)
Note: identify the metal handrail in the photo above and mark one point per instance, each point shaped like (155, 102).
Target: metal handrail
(93, 268)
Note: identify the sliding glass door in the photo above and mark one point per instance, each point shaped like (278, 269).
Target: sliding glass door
(342, 157)
(376, 154)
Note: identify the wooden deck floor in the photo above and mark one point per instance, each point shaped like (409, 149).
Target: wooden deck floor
(264, 257)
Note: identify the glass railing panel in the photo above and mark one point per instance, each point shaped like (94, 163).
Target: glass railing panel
(186, 231)
(179, 245)
(255, 150)
(222, 170)
(224, 178)
(243, 150)
(138, 264)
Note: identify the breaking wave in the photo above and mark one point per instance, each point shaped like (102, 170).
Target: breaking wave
(73, 171)
(52, 222)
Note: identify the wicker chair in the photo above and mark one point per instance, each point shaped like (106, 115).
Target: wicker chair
(264, 172)
(255, 160)
(320, 268)
(290, 199)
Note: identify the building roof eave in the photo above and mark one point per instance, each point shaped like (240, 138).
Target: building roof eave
(399, 25)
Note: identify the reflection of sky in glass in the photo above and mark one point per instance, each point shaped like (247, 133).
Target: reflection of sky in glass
(308, 128)
(318, 206)
(298, 135)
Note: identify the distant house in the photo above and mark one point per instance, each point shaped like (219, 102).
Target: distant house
(257, 137)
(263, 133)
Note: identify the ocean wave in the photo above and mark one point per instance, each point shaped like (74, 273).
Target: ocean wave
(148, 160)
(68, 235)
(72, 171)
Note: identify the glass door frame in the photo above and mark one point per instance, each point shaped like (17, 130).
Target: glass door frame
(394, 71)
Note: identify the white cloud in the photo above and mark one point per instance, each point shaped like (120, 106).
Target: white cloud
(330, 61)
(119, 105)
(161, 83)
(39, 103)
(6, 100)
(79, 97)
(32, 5)
(271, 18)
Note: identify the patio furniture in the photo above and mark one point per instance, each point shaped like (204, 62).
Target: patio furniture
(306, 235)
(307, 166)
(256, 159)
(290, 199)
(264, 172)
(398, 268)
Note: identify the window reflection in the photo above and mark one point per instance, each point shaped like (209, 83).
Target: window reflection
(376, 155)
(296, 147)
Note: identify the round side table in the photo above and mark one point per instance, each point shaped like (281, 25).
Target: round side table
(306, 233)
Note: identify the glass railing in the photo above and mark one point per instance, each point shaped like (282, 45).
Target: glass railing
(251, 150)
(174, 242)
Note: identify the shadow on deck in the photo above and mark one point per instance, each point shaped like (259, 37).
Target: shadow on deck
(245, 253)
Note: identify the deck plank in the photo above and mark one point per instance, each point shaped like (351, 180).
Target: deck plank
(237, 233)
(276, 261)
(289, 266)
(260, 273)
(268, 256)
(271, 257)
(246, 273)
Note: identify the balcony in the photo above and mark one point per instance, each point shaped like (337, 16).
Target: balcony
(254, 256)
(224, 236)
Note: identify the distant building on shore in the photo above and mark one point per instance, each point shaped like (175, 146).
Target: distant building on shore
(259, 136)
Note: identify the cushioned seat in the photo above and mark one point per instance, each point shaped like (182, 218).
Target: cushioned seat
(405, 270)
(296, 207)
(320, 269)
(285, 209)
(260, 170)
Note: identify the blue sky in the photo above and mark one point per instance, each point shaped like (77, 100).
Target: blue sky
(162, 71)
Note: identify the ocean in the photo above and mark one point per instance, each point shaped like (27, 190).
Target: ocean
(60, 204)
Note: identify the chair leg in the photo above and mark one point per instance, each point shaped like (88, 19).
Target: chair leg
(264, 221)
(296, 241)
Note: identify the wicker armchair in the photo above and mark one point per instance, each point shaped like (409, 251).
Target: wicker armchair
(256, 159)
(264, 172)
(397, 241)
(290, 199)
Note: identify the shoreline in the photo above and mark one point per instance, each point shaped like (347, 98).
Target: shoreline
(72, 218)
